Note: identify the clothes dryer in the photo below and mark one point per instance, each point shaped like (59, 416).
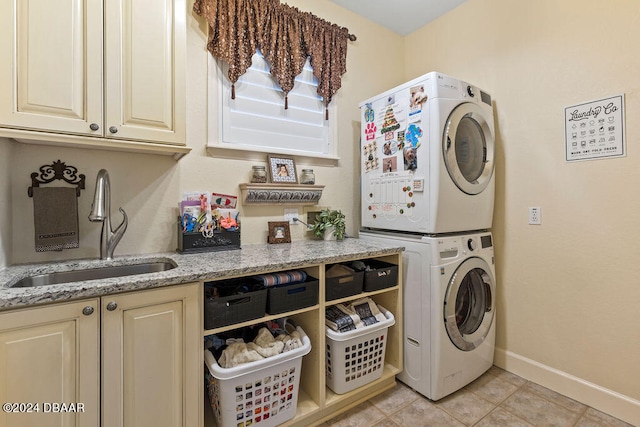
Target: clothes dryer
(427, 157)
(449, 309)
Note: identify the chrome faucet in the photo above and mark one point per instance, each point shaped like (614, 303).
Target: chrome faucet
(101, 212)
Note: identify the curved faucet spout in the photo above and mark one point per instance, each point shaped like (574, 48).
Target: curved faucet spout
(117, 234)
(101, 212)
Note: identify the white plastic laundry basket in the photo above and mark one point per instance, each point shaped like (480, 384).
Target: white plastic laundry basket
(262, 393)
(356, 358)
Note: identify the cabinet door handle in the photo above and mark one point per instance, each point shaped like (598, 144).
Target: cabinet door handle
(113, 129)
(112, 306)
(94, 126)
(87, 311)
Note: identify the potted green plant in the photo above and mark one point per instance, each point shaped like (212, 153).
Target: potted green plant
(329, 225)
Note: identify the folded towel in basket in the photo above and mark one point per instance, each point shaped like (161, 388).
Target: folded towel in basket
(55, 213)
(358, 314)
(282, 278)
(264, 345)
(368, 311)
(338, 270)
(237, 354)
(341, 318)
(291, 341)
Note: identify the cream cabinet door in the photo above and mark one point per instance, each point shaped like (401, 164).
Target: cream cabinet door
(152, 358)
(51, 65)
(145, 65)
(50, 356)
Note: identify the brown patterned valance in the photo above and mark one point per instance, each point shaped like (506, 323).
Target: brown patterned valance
(284, 35)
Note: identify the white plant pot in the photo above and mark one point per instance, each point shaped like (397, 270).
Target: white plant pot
(329, 233)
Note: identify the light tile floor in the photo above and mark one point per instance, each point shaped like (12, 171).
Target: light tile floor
(498, 398)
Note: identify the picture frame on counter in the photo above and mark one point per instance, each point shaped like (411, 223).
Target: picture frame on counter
(282, 170)
(279, 232)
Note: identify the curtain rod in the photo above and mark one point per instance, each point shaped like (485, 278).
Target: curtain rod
(352, 37)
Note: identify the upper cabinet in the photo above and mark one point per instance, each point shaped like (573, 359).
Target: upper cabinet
(144, 68)
(106, 74)
(51, 68)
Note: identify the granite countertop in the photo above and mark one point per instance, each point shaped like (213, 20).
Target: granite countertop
(251, 259)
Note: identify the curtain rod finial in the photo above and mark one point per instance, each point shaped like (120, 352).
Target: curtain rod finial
(352, 37)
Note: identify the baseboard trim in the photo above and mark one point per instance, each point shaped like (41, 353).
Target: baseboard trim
(600, 398)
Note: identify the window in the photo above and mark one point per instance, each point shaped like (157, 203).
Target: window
(256, 119)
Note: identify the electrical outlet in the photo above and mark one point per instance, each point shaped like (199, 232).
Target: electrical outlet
(535, 215)
(289, 214)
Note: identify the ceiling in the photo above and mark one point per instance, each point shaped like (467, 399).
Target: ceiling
(400, 16)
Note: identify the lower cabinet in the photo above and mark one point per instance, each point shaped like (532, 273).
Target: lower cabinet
(50, 356)
(141, 351)
(152, 358)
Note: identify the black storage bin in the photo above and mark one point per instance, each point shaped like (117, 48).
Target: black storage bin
(221, 240)
(237, 307)
(343, 286)
(382, 275)
(285, 298)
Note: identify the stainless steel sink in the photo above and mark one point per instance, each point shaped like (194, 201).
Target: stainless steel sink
(94, 273)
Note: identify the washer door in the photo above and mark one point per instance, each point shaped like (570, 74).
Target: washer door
(468, 148)
(469, 304)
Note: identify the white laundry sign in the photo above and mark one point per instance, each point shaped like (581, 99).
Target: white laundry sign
(595, 129)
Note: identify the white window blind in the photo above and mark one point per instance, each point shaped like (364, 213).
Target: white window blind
(256, 119)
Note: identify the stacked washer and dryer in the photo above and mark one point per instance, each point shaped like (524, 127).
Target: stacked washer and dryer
(427, 184)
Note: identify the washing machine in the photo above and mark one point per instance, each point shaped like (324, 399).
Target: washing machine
(449, 309)
(427, 157)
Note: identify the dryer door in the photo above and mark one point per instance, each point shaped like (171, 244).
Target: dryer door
(468, 148)
(469, 304)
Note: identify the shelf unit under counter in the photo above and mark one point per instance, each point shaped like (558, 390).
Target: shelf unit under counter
(317, 402)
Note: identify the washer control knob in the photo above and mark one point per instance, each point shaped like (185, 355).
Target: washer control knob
(471, 244)
(470, 91)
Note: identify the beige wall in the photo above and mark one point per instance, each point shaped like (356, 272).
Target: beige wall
(5, 202)
(568, 289)
(145, 186)
(149, 187)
